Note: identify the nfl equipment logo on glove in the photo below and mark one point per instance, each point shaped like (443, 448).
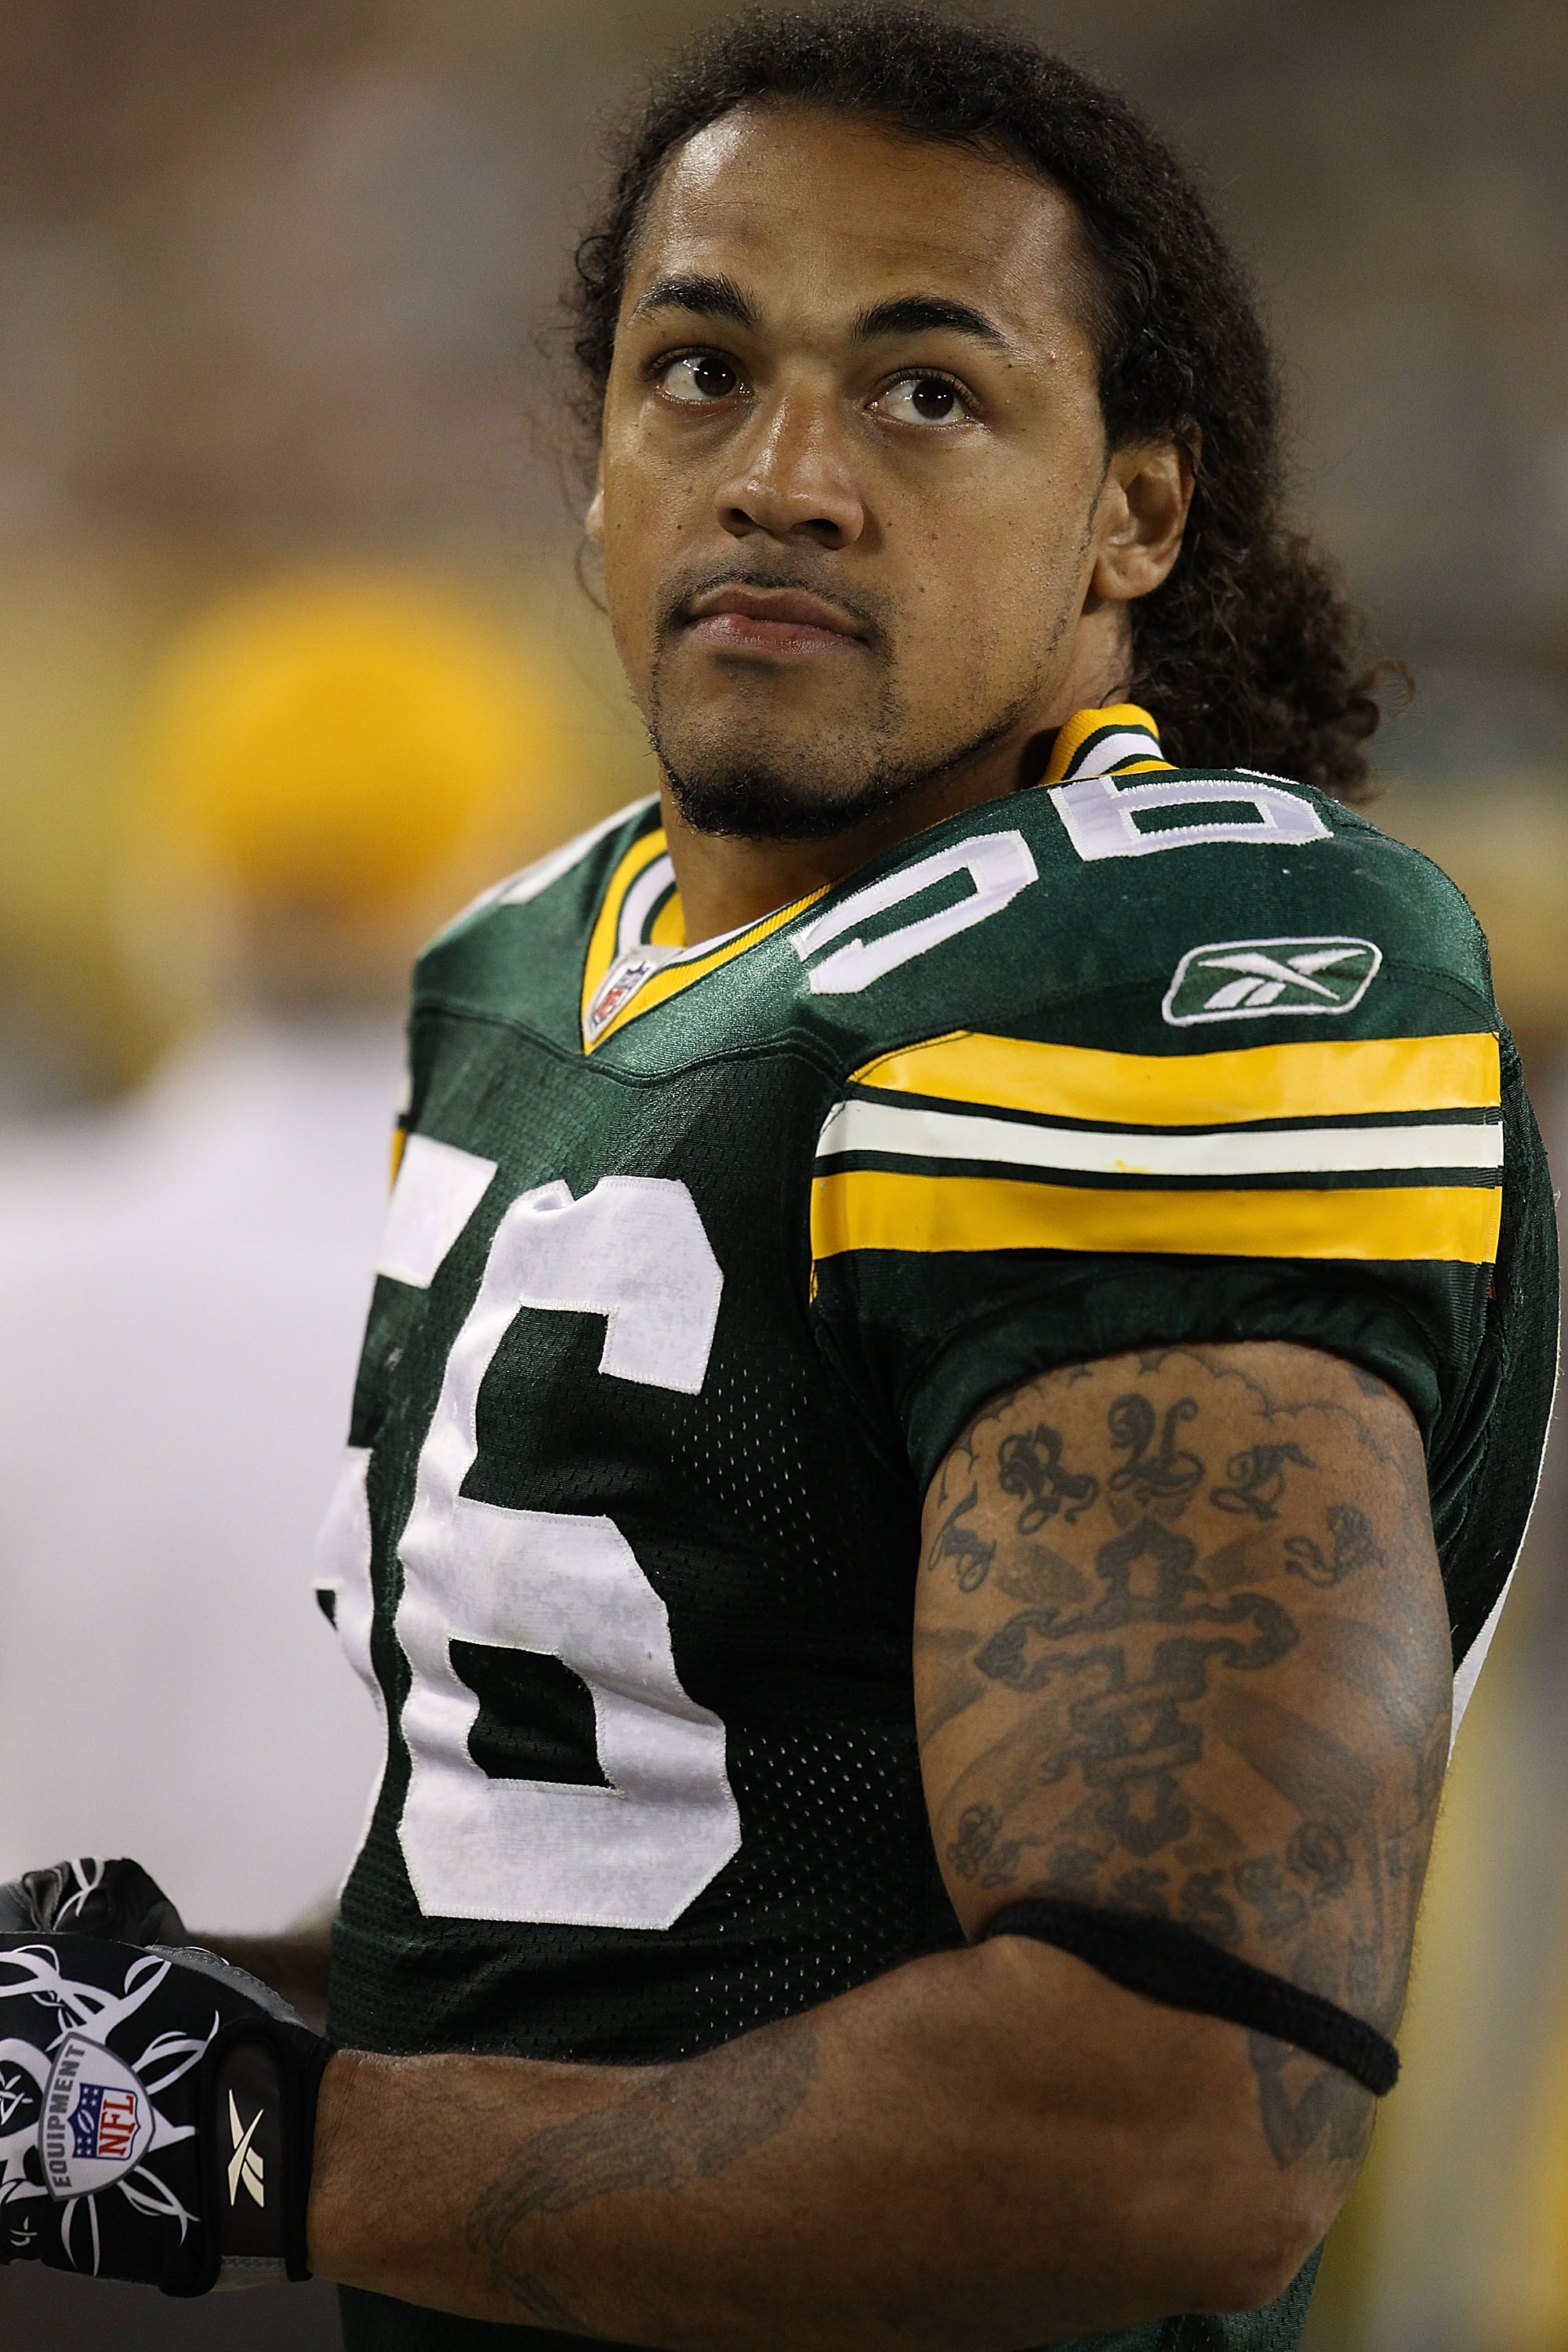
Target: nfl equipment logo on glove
(157, 2108)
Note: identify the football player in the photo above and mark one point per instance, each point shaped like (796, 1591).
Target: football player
(961, 1356)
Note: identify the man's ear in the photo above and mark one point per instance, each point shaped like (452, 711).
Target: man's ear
(1143, 513)
(594, 520)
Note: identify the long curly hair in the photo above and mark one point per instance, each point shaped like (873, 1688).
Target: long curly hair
(1248, 653)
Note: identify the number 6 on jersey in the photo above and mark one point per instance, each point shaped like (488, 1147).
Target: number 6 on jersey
(637, 1852)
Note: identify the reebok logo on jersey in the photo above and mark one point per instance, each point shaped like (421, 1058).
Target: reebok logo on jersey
(1242, 980)
(245, 2164)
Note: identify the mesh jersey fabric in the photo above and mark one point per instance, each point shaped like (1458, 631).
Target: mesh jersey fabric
(699, 1259)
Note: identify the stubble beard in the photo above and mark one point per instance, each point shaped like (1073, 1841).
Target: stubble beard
(736, 784)
(838, 786)
(845, 778)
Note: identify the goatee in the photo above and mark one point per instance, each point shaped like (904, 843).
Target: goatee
(756, 802)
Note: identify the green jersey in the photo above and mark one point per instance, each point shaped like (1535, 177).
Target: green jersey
(698, 1261)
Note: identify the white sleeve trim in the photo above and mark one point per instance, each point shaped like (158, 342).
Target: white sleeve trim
(1466, 1673)
(517, 890)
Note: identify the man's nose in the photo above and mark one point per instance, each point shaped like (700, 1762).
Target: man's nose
(795, 479)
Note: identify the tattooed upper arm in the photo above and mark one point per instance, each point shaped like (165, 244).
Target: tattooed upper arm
(1181, 1648)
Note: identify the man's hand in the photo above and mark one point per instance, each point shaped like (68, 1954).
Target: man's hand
(1183, 1652)
(157, 2108)
(295, 1963)
(82, 1897)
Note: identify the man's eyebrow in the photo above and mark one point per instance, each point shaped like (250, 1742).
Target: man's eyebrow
(709, 297)
(915, 314)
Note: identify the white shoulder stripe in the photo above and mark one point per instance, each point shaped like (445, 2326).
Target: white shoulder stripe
(538, 877)
(858, 1125)
(1468, 1671)
(517, 890)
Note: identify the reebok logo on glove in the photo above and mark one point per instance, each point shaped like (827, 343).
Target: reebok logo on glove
(246, 2164)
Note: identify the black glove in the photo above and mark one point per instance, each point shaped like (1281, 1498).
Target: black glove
(157, 2108)
(91, 1898)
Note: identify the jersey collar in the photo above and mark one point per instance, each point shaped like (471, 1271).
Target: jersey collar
(637, 955)
(1118, 740)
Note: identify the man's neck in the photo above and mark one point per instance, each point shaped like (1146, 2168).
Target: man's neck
(726, 881)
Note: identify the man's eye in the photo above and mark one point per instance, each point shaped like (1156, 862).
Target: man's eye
(699, 375)
(923, 400)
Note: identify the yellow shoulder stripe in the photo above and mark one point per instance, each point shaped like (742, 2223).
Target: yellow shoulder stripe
(860, 1209)
(1323, 1078)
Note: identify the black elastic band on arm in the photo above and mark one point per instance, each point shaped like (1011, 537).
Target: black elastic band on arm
(1170, 1963)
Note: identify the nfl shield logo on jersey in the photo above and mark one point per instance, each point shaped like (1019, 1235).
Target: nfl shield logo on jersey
(1241, 980)
(97, 2119)
(623, 981)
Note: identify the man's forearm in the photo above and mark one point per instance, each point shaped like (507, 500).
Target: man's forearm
(920, 2162)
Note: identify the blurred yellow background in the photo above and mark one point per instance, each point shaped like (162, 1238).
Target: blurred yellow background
(294, 658)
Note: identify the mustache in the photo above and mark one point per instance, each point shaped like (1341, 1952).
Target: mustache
(682, 591)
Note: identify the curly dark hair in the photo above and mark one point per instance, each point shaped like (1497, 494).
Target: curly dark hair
(1248, 652)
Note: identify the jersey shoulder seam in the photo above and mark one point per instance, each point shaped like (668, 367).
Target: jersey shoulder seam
(831, 1067)
(902, 1038)
(944, 1343)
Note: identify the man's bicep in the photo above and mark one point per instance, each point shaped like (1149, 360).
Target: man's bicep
(1181, 1649)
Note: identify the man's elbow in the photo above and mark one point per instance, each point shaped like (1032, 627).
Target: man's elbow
(1212, 2224)
(1231, 2222)
(1193, 2185)
(1255, 2256)
(1246, 2247)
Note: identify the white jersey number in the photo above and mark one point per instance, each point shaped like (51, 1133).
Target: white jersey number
(1100, 813)
(998, 864)
(637, 1851)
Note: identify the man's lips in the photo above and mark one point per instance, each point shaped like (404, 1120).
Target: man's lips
(769, 620)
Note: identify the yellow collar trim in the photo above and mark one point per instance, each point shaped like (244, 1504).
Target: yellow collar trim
(1120, 740)
(604, 939)
(635, 984)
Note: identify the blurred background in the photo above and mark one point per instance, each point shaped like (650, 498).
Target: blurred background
(293, 659)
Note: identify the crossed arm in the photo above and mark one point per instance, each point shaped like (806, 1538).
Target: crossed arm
(1181, 1647)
